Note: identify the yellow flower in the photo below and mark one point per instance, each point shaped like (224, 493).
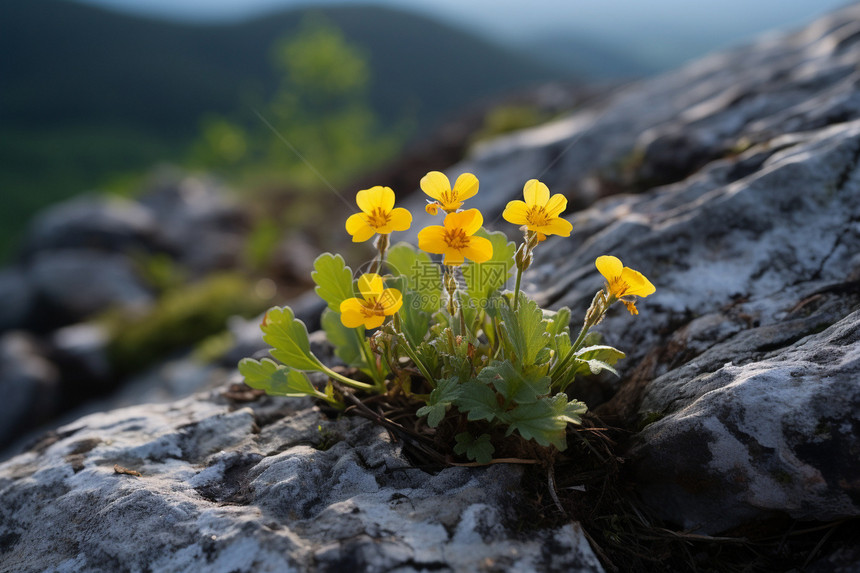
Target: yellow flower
(455, 239)
(432, 208)
(540, 212)
(436, 185)
(375, 304)
(623, 281)
(378, 214)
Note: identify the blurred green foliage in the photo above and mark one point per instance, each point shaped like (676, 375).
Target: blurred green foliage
(183, 316)
(321, 127)
(508, 118)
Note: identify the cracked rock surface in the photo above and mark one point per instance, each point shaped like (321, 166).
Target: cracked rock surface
(741, 202)
(208, 484)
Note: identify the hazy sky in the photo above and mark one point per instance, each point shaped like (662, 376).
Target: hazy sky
(655, 24)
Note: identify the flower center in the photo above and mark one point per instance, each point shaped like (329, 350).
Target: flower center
(537, 216)
(618, 287)
(378, 218)
(373, 306)
(456, 238)
(449, 197)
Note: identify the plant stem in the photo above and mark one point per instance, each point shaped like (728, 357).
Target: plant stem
(517, 287)
(344, 380)
(410, 352)
(595, 313)
(382, 247)
(376, 374)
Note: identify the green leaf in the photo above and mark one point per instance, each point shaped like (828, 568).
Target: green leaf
(595, 359)
(573, 411)
(525, 330)
(515, 385)
(275, 379)
(597, 366)
(333, 279)
(479, 402)
(414, 321)
(447, 390)
(479, 449)
(422, 275)
(346, 344)
(558, 322)
(288, 337)
(543, 421)
(483, 279)
(603, 353)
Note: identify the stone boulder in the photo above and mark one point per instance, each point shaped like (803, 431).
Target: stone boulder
(93, 222)
(207, 483)
(733, 184)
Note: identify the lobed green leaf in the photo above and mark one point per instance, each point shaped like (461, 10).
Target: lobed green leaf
(446, 392)
(479, 449)
(276, 379)
(479, 402)
(514, 384)
(525, 330)
(333, 279)
(288, 337)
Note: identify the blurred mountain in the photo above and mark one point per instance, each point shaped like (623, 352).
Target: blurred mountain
(89, 95)
(68, 63)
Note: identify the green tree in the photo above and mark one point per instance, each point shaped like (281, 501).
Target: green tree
(319, 118)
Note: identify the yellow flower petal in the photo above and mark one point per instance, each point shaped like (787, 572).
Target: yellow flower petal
(516, 212)
(556, 204)
(432, 208)
(351, 319)
(384, 197)
(469, 220)
(435, 184)
(631, 307)
(375, 198)
(453, 257)
(637, 284)
(370, 284)
(557, 226)
(374, 321)
(401, 219)
(479, 250)
(609, 266)
(535, 192)
(392, 300)
(351, 305)
(432, 239)
(356, 225)
(466, 186)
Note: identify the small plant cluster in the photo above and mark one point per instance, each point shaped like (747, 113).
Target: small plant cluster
(448, 336)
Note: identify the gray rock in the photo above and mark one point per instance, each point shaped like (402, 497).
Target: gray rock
(272, 486)
(95, 223)
(29, 385)
(79, 283)
(16, 299)
(737, 193)
(199, 222)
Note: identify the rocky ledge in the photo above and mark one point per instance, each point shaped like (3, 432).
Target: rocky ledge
(733, 184)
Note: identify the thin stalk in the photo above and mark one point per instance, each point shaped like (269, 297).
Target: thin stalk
(559, 367)
(410, 352)
(376, 374)
(517, 287)
(344, 380)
